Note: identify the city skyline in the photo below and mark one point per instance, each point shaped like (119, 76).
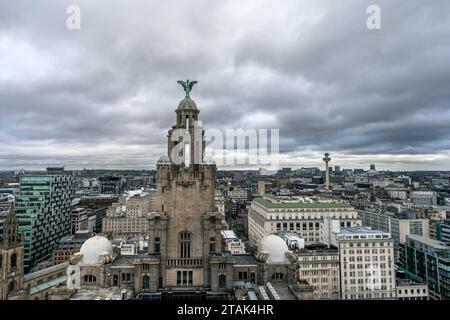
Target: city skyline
(102, 96)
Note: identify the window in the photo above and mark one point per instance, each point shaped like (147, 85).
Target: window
(185, 244)
(212, 244)
(12, 286)
(157, 244)
(13, 260)
(222, 281)
(145, 282)
(178, 278)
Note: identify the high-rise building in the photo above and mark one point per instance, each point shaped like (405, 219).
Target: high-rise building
(110, 185)
(43, 208)
(429, 261)
(398, 227)
(444, 231)
(367, 264)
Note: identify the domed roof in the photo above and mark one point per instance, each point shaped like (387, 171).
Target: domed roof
(208, 160)
(93, 247)
(275, 247)
(164, 159)
(187, 104)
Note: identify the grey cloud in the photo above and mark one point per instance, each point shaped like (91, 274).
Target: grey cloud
(312, 69)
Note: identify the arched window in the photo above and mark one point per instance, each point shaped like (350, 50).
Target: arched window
(13, 260)
(222, 281)
(86, 277)
(145, 282)
(185, 244)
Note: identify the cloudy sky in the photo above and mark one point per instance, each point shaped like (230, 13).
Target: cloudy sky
(104, 95)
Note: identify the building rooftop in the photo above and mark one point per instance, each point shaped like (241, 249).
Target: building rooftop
(270, 204)
(359, 230)
(40, 273)
(244, 260)
(97, 293)
(48, 284)
(436, 244)
(229, 234)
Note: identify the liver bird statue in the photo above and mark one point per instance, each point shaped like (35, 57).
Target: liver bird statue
(187, 85)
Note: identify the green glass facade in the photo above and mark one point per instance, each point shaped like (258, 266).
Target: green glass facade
(43, 207)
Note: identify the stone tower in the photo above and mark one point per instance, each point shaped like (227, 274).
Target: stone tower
(186, 231)
(11, 257)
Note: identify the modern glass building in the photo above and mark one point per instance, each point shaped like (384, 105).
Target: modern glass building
(429, 260)
(43, 207)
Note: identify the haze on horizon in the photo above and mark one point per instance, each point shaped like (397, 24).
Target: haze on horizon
(104, 96)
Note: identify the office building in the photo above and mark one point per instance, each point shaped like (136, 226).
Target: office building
(367, 264)
(429, 261)
(302, 216)
(43, 208)
(110, 185)
(424, 198)
(321, 269)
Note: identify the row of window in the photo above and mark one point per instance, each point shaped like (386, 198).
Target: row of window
(382, 273)
(366, 266)
(375, 295)
(366, 258)
(367, 251)
(184, 278)
(367, 244)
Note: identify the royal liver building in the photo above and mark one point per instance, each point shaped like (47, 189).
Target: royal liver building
(185, 234)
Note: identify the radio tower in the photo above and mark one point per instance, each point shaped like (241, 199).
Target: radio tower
(327, 159)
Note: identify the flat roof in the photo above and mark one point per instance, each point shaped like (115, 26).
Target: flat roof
(301, 205)
(48, 284)
(432, 242)
(45, 271)
(359, 230)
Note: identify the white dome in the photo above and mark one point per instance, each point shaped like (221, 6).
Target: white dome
(275, 247)
(164, 159)
(209, 160)
(93, 247)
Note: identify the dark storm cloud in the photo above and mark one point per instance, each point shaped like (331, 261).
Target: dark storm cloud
(105, 95)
